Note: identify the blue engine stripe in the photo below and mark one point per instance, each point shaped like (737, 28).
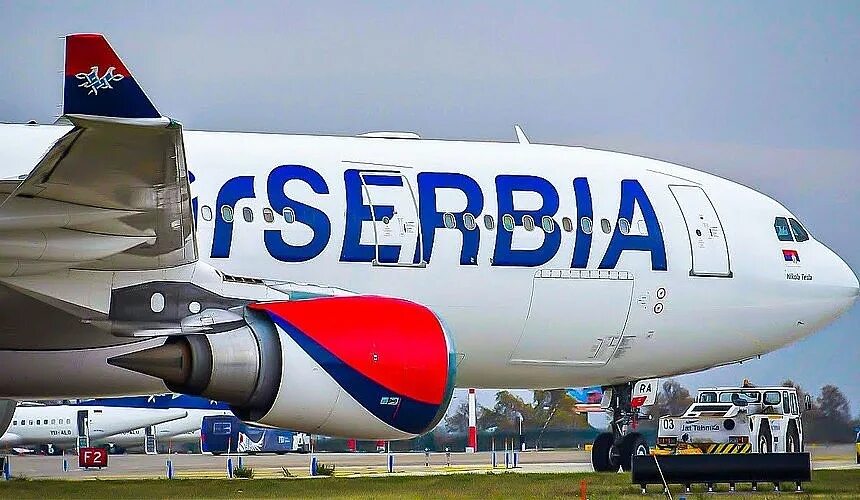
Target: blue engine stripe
(408, 415)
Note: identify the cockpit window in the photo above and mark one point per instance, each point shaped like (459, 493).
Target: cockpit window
(800, 233)
(780, 224)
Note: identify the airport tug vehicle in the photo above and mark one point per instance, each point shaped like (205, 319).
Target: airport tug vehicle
(734, 420)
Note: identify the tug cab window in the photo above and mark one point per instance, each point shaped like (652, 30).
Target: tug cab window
(771, 398)
(780, 225)
(800, 233)
(748, 396)
(708, 397)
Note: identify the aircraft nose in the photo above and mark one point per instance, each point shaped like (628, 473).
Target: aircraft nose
(849, 278)
(841, 280)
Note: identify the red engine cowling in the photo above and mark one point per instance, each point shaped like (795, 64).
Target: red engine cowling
(358, 366)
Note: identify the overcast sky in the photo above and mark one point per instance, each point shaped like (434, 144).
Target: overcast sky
(764, 93)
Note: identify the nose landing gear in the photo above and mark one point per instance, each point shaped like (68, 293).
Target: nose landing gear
(615, 449)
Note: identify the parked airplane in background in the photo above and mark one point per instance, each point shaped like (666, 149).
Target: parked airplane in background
(345, 285)
(185, 430)
(63, 425)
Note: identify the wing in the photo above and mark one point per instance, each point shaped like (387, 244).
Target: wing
(113, 193)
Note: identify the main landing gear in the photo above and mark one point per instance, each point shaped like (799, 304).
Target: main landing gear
(615, 449)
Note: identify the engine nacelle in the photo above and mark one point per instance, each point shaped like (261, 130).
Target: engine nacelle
(357, 366)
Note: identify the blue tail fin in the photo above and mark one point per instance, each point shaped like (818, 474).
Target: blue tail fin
(97, 83)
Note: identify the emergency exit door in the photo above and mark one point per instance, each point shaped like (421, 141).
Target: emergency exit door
(395, 227)
(708, 246)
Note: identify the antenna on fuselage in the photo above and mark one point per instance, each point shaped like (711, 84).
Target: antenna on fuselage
(521, 136)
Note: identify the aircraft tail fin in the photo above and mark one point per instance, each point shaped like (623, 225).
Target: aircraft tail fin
(97, 83)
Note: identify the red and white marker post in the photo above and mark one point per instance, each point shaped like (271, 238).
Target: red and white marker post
(472, 445)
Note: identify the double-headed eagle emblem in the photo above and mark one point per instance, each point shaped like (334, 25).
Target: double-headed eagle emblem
(94, 82)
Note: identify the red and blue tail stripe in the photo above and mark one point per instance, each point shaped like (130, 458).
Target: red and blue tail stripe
(97, 83)
(398, 366)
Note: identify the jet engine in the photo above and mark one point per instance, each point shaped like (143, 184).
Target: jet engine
(356, 366)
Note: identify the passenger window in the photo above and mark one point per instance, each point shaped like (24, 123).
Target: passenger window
(68, 421)
(800, 234)
(780, 225)
(624, 226)
(248, 214)
(206, 211)
(794, 408)
(227, 213)
(586, 225)
(469, 222)
(567, 224)
(268, 215)
(528, 222)
(289, 215)
(508, 222)
(606, 226)
(449, 221)
(38, 422)
(53, 421)
(547, 223)
(489, 222)
(31, 422)
(14, 422)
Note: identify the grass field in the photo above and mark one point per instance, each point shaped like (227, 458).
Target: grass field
(828, 484)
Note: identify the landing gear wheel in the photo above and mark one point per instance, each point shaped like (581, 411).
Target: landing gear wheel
(765, 440)
(602, 458)
(631, 444)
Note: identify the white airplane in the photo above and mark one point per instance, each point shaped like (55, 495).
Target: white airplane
(344, 285)
(185, 430)
(62, 425)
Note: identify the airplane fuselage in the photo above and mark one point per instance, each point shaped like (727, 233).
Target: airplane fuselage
(61, 425)
(552, 266)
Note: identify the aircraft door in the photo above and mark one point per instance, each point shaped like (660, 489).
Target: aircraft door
(83, 425)
(708, 245)
(576, 318)
(394, 210)
(150, 446)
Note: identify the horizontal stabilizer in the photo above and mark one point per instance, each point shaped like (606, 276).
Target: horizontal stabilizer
(97, 83)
